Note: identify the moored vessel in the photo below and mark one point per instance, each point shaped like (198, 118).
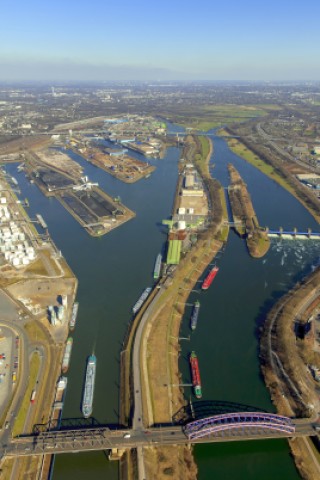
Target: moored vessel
(210, 277)
(157, 266)
(88, 391)
(143, 297)
(67, 355)
(194, 315)
(74, 314)
(195, 374)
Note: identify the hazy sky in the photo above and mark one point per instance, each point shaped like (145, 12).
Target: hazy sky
(160, 40)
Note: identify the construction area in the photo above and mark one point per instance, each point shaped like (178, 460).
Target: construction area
(122, 166)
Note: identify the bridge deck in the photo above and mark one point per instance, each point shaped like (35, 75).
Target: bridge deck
(92, 439)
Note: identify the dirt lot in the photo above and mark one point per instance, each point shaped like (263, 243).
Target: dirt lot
(61, 161)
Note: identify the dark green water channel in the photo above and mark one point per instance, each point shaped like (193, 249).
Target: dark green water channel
(112, 272)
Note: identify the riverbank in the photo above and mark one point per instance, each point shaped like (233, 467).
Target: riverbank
(273, 170)
(244, 216)
(286, 356)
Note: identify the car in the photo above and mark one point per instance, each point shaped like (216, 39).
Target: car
(6, 425)
(126, 435)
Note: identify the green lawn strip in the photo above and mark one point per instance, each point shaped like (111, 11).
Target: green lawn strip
(225, 229)
(21, 417)
(240, 149)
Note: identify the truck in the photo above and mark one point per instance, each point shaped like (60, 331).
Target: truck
(33, 396)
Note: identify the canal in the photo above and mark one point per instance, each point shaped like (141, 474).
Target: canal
(113, 271)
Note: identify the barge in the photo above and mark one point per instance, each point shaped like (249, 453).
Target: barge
(210, 277)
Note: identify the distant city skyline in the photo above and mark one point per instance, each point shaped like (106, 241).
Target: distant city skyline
(78, 40)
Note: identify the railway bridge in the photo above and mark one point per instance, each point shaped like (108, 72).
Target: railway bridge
(240, 426)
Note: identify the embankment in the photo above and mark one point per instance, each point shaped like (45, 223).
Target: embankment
(284, 364)
(244, 216)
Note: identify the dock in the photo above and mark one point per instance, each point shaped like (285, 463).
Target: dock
(41, 221)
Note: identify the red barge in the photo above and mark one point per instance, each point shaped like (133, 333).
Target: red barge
(209, 278)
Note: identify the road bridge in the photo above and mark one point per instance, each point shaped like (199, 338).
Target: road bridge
(218, 428)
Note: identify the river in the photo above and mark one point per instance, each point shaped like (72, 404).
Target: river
(114, 269)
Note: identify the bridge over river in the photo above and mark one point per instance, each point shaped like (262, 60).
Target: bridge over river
(218, 428)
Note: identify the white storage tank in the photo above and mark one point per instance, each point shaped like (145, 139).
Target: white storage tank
(60, 313)
(181, 225)
(16, 261)
(191, 211)
(25, 261)
(181, 211)
(3, 200)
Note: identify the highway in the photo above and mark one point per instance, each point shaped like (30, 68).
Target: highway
(92, 439)
(137, 420)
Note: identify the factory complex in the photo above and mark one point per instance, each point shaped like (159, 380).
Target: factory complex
(189, 215)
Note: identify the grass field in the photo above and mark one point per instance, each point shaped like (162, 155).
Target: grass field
(206, 117)
(240, 149)
(35, 333)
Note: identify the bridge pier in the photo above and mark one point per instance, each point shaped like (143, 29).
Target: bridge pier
(115, 454)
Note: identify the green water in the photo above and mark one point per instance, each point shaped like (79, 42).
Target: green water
(113, 271)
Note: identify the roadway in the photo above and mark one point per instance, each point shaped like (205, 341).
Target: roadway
(137, 420)
(93, 439)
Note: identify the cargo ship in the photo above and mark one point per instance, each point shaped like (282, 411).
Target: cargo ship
(143, 297)
(67, 355)
(87, 399)
(196, 381)
(209, 278)
(74, 314)
(194, 315)
(157, 267)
